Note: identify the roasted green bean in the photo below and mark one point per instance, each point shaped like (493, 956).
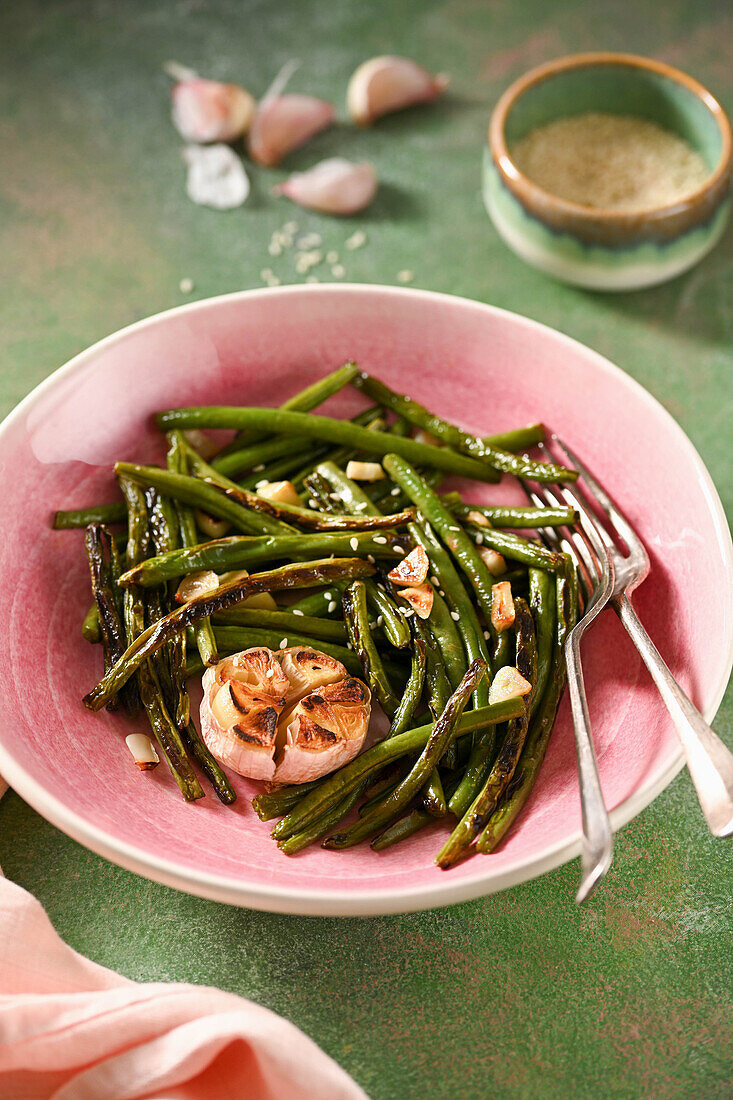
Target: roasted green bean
(501, 460)
(356, 617)
(243, 551)
(301, 425)
(83, 517)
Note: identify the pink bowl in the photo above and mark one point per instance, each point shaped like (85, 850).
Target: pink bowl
(488, 370)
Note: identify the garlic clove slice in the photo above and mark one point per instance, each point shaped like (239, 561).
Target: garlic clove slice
(386, 84)
(216, 176)
(285, 122)
(205, 110)
(335, 186)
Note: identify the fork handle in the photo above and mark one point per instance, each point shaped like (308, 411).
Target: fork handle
(709, 761)
(597, 850)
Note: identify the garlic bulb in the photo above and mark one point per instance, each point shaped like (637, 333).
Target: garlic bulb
(285, 122)
(335, 186)
(216, 176)
(387, 84)
(206, 111)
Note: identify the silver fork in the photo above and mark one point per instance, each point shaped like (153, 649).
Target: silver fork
(709, 761)
(596, 853)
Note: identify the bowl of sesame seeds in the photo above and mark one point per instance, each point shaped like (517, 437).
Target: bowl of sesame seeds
(608, 170)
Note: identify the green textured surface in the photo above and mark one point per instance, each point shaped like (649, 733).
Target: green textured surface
(520, 995)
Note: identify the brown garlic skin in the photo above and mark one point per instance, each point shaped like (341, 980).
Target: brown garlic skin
(385, 84)
(206, 111)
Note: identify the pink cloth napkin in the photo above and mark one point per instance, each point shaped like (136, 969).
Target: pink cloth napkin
(72, 1030)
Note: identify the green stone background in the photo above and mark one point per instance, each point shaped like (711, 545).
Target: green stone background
(520, 995)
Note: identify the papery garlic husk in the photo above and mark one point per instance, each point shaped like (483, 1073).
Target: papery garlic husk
(206, 111)
(335, 186)
(387, 84)
(285, 122)
(216, 176)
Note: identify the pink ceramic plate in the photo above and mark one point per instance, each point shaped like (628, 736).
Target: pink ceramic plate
(482, 367)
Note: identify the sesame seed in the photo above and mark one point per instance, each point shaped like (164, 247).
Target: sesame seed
(405, 276)
(338, 271)
(380, 539)
(380, 620)
(435, 581)
(296, 611)
(312, 503)
(454, 528)
(479, 538)
(332, 257)
(370, 558)
(284, 643)
(185, 286)
(309, 240)
(441, 592)
(356, 240)
(261, 483)
(395, 492)
(332, 607)
(455, 616)
(259, 468)
(327, 595)
(400, 549)
(354, 543)
(407, 612)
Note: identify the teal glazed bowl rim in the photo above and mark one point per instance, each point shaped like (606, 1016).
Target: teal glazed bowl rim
(598, 225)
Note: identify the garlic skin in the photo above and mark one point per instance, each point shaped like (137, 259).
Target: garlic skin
(387, 84)
(285, 122)
(216, 176)
(205, 110)
(335, 186)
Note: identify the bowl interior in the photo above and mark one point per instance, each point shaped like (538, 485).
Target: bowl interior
(484, 368)
(617, 88)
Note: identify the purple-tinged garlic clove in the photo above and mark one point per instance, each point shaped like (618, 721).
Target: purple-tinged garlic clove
(387, 84)
(205, 110)
(285, 122)
(216, 176)
(335, 186)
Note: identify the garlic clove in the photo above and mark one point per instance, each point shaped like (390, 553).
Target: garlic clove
(386, 84)
(335, 186)
(216, 176)
(285, 122)
(205, 110)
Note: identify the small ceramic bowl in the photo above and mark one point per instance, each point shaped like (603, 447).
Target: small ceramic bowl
(600, 248)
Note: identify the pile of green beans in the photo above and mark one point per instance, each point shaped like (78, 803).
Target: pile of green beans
(324, 548)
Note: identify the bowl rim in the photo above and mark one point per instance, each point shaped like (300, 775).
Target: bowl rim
(320, 902)
(532, 195)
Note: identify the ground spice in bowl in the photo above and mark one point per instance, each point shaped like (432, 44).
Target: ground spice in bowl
(614, 162)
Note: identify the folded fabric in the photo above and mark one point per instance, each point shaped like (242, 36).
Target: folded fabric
(72, 1030)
